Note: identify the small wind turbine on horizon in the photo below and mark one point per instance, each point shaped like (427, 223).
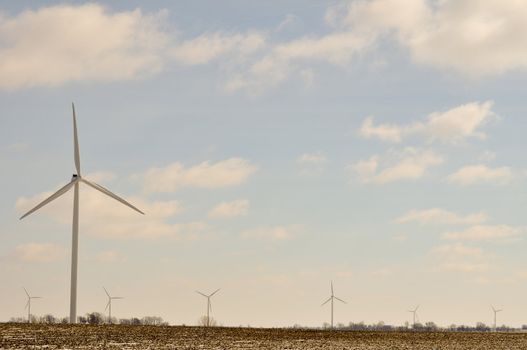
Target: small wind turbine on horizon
(75, 181)
(28, 305)
(332, 298)
(209, 304)
(109, 305)
(495, 313)
(414, 312)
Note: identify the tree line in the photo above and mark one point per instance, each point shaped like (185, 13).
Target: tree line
(419, 327)
(94, 318)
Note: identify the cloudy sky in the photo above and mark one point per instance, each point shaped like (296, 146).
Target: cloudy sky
(274, 146)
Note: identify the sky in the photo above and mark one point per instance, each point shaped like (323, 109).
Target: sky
(274, 147)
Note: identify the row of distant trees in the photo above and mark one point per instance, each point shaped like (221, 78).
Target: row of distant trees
(94, 318)
(426, 327)
(98, 318)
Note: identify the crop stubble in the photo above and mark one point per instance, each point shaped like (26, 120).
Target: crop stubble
(40, 336)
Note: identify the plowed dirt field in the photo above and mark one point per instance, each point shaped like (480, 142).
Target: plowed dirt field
(25, 336)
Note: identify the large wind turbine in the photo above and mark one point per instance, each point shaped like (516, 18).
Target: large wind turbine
(414, 312)
(109, 305)
(76, 179)
(28, 305)
(495, 313)
(331, 298)
(209, 305)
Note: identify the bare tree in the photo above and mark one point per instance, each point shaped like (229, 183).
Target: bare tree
(211, 321)
(49, 319)
(95, 318)
(152, 320)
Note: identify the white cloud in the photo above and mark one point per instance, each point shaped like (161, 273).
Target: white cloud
(210, 46)
(467, 36)
(481, 174)
(452, 126)
(400, 237)
(470, 37)
(409, 164)
(39, 252)
(54, 45)
(230, 209)
(464, 266)
(457, 250)
(225, 173)
(110, 256)
(286, 59)
(57, 44)
(312, 159)
(276, 233)
(384, 132)
(496, 233)
(104, 217)
(461, 258)
(441, 216)
(312, 163)
(288, 22)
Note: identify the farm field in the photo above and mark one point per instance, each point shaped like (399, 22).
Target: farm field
(39, 336)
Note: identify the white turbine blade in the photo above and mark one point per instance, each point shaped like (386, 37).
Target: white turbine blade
(26, 292)
(216, 291)
(327, 301)
(76, 142)
(117, 297)
(331, 287)
(54, 196)
(107, 305)
(27, 304)
(340, 300)
(417, 308)
(108, 294)
(206, 296)
(110, 194)
(36, 297)
(493, 309)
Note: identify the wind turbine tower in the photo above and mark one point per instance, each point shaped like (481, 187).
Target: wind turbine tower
(209, 305)
(414, 312)
(109, 305)
(28, 305)
(495, 313)
(332, 298)
(75, 181)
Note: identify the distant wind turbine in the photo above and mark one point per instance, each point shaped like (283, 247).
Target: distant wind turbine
(414, 312)
(209, 305)
(75, 181)
(495, 313)
(331, 298)
(109, 305)
(28, 305)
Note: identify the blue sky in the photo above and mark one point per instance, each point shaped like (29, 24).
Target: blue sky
(274, 147)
